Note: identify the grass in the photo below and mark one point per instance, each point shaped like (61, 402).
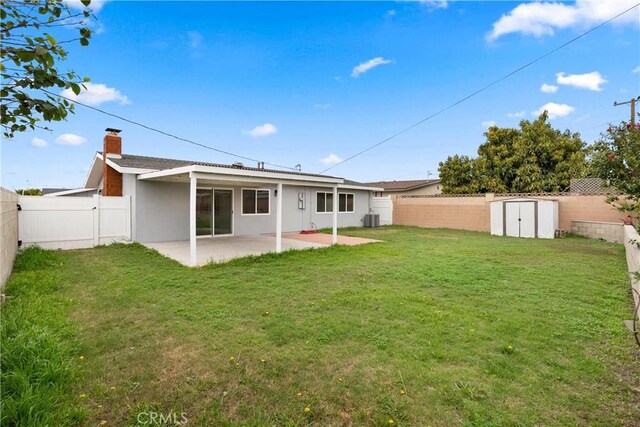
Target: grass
(431, 327)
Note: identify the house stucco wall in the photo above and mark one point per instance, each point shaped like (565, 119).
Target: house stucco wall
(160, 210)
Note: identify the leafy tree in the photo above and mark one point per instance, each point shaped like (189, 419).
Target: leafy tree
(30, 60)
(457, 175)
(534, 158)
(29, 191)
(615, 157)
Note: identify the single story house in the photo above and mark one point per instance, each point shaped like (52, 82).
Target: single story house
(175, 200)
(421, 187)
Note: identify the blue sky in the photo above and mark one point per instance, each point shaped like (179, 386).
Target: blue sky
(311, 83)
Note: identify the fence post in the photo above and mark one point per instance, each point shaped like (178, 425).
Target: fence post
(127, 207)
(96, 220)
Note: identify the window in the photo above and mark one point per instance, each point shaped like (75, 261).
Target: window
(345, 202)
(255, 202)
(324, 202)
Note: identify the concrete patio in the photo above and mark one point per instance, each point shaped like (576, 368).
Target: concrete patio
(224, 248)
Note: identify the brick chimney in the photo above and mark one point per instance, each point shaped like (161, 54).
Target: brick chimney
(112, 179)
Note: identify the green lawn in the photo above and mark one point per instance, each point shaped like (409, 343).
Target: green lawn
(431, 327)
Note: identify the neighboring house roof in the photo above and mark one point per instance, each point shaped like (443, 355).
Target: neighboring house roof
(46, 191)
(130, 163)
(403, 185)
(66, 192)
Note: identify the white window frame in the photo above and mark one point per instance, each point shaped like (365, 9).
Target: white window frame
(325, 202)
(346, 195)
(268, 190)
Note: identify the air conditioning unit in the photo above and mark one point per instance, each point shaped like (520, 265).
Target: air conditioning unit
(372, 220)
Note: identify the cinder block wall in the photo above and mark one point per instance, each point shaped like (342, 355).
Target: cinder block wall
(609, 231)
(471, 212)
(8, 233)
(463, 213)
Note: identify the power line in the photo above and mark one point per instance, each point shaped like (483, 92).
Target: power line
(605, 123)
(217, 150)
(506, 76)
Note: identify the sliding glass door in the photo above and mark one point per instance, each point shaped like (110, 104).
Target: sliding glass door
(222, 212)
(204, 209)
(214, 212)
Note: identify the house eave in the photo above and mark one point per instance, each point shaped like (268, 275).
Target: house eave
(227, 174)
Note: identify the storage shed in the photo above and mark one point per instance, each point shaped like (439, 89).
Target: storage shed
(524, 217)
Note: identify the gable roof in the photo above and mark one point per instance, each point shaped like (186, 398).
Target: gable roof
(403, 185)
(159, 163)
(131, 163)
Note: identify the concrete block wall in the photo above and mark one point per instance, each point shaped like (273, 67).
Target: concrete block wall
(471, 212)
(8, 232)
(609, 231)
(462, 213)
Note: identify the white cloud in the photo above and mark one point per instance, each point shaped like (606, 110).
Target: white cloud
(517, 115)
(391, 12)
(70, 139)
(95, 5)
(322, 106)
(591, 81)
(544, 18)
(435, 4)
(548, 88)
(263, 130)
(39, 142)
(554, 110)
(195, 39)
(96, 94)
(636, 70)
(331, 160)
(488, 123)
(368, 65)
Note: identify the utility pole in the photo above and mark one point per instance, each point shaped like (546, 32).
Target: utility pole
(632, 101)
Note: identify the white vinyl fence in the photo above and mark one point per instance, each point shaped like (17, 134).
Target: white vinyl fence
(384, 207)
(73, 222)
(8, 232)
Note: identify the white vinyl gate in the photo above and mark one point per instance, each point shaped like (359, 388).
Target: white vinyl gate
(73, 222)
(384, 207)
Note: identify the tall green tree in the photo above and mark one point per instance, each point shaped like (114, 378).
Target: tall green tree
(534, 158)
(615, 157)
(31, 58)
(457, 175)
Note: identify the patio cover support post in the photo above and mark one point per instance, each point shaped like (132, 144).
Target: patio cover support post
(279, 197)
(334, 238)
(193, 256)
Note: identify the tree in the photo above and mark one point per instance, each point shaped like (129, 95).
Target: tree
(615, 157)
(29, 191)
(534, 158)
(30, 60)
(457, 175)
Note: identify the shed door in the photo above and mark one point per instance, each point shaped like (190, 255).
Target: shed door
(520, 219)
(527, 219)
(512, 219)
